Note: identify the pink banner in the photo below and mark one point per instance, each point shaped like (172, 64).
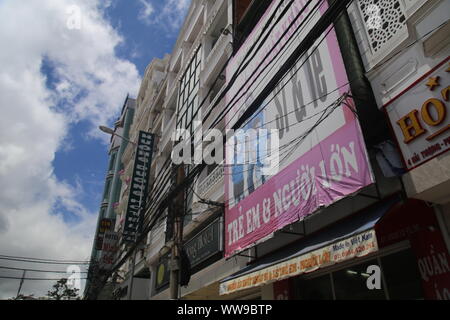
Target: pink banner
(331, 163)
(332, 170)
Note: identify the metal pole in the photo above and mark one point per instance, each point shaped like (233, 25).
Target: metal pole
(21, 283)
(178, 238)
(130, 286)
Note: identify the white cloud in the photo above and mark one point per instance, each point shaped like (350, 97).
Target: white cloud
(169, 17)
(146, 12)
(35, 122)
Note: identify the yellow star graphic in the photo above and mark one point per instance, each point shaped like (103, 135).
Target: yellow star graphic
(433, 82)
(448, 69)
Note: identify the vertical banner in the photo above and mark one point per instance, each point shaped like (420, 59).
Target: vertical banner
(322, 155)
(138, 186)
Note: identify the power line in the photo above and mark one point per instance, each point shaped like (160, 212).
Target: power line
(45, 262)
(41, 259)
(35, 279)
(241, 69)
(35, 270)
(198, 168)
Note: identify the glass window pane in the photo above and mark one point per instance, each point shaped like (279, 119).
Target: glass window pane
(402, 275)
(192, 84)
(189, 118)
(313, 289)
(197, 74)
(351, 284)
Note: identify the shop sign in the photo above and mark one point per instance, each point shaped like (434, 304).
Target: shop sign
(138, 186)
(323, 157)
(403, 221)
(355, 246)
(204, 245)
(162, 273)
(433, 261)
(109, 250)
(282, 290)
(104, 226)
(419, 117)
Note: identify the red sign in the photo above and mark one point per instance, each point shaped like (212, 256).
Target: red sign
(416, 221)
(282, 290)
(403, 221)
(434, 263)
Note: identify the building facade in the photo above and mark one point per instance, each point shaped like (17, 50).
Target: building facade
(111, 194)
(332, 179)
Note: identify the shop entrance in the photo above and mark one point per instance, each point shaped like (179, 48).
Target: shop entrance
(400, 279)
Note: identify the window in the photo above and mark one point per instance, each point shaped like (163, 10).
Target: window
(314, 289)
(188, 96)
(351, 283)
(112, 162)
(247, 13)
(402, 276)
(400, 279)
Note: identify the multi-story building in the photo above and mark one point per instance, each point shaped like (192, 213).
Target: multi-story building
(407, 61)
(111, 193)
(311, 198)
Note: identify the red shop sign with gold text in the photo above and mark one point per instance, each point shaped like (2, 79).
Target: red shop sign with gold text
(419, 116)
(434, 263)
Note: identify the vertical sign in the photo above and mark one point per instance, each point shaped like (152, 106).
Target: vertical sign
(105, 225)
(109, 250)
(138, 186)
(433, 261)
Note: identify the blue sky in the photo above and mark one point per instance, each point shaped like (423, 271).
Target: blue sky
(86, 159)
(57, 85)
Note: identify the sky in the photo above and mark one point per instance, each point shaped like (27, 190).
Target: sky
(66, 67)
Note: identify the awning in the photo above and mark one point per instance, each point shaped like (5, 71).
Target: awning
(348, 238)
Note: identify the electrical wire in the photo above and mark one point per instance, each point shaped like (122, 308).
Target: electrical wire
(35, 270)
(41, 259)
(34, 279)
(378, 66)
(45, 262)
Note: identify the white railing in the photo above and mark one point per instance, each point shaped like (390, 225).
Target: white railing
(221, 50)
(211, 181)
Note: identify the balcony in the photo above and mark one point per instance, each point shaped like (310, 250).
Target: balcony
(169, 129)
(212, 183)
(216, 59)
(156, 240)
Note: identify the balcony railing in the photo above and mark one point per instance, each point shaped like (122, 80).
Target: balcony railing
(210, 183)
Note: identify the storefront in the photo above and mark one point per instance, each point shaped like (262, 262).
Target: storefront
(392, 250)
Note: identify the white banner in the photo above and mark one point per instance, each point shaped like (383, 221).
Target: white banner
(355, 246)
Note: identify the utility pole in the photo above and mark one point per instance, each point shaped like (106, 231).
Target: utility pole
(175, 264)
(21, 283)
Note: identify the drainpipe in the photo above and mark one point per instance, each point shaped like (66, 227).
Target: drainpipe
(373, 122)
